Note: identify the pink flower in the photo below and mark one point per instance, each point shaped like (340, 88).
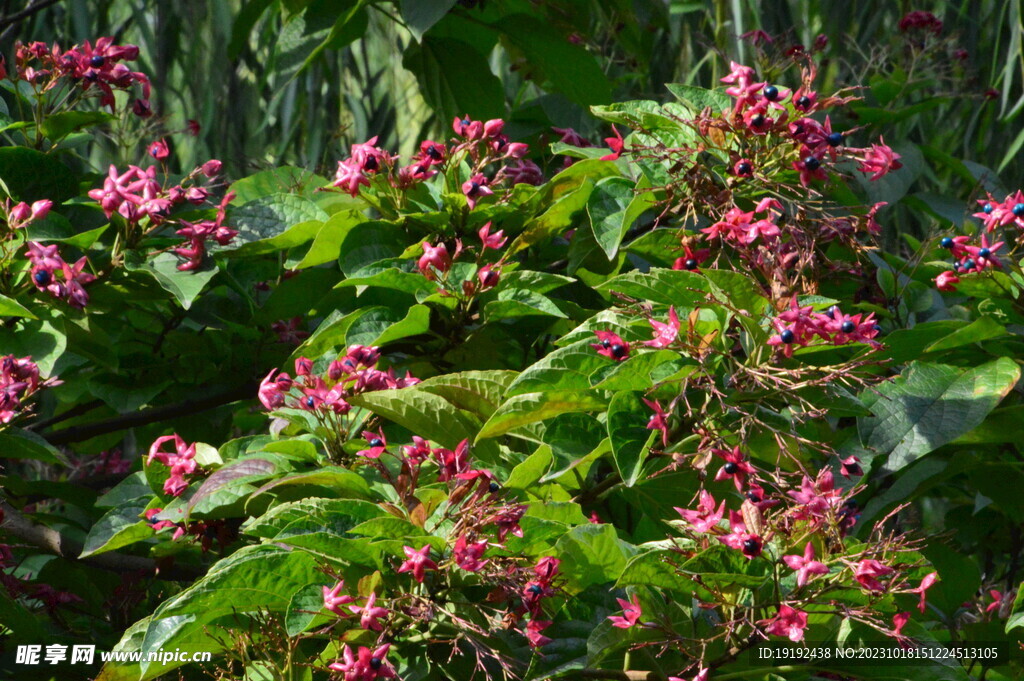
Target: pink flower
(868, 572)
(274, 388)
(736, 467)
(805, 565)
(431, 153)
(789, 622)
(495, 241)
(334, 599)
(630, 613)
(468, 128)
(369, 613)
(493, 127)
(366, 665)
(899, 620)
(920, 590)
(378, 444)
(533, 635)
(997, 601)
(434, 258)
(664, 334)
(523, 172)
(159, 150)
(611, 346)
(181, 462)
(476, 188)
(488, 277)
(880, 160)
(702, 675)
(468, 556)
(706, 516)
(546, 569)
(417, 562)
(615, 144)
(947, 281)
(659, 421)
(850, 466)
(350, 177)
(749, 544)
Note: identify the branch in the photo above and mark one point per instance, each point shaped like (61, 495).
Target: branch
(33, 7)
(152, 415)
(54, 542)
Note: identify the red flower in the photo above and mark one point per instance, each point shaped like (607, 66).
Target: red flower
(736, 467)
(926, 584)
(706, 516)
(664, 334)
(418, 562)
(378, 444)
(615, 144)
(659, 421)
(630, 613)
(947, 281)
(850, 466)
(468, 556)
(475, 188)
(334, 599)
(495, 241)
(366, 665)
(867, 573)
(434, 258)
(369, 613)
(533, 635)
(789, 622)
(879, 160)
(611, 346)
(899, 620)
(805, 565)
(159, 150)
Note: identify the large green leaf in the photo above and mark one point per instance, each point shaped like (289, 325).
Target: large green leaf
(479, 392)
(426, 414)
(630, 439)
(524, 409)
(31, 175)
(16, 443)
(9, 307)
(275, 222)
(455, 79)
(568, 368)
(592, 554)
(419, 16)
(184, 286)
(930, 405)
(613, 207)
(118, 527)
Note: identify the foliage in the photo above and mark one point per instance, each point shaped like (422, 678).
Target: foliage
(470, 406)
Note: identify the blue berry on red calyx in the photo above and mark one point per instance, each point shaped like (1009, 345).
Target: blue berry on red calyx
(947, 242)
(757, 121)
(754, 496)
(787, 336)
(606, 343)
(751, 547)
(97, 61)
(987, 208)
(536, 589)
(812, 163)
(375, 662)
(848, 326)
(968, 265)
(771, 93)
(1018, 210)
(618, 352)
(42, 277)
(731, 468)
(494, 487)
(803, 102)
(743, 168)
(831, 312)
(310, 401)
(984, 253)
(835, 139)
(376, 442)
(690, 264)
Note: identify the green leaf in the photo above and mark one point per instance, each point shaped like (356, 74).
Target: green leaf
(380, 325)
(326, 246)
(319, 526)
(16, 443)
(228, 485)
(630, 439)
(698, 98)
(527, 408)
(31, 175)
(592, 554)
(930, 405)
(343, 482)
(655, 568)
(369, 242)
(330, 335)
(569, 68)
(118, 527)
(1016, 618)
(426, 414)
(59, 125)
(455, 79)
(184, 286)
(479, 392)
(981, 329)
(567, 368)
(419, 16)
(520, 303)
(273, 223)
(9, 307)
(613, 207)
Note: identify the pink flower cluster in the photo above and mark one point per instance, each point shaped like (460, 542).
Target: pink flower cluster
(740, 227)
(799, 326)
(369, 613)
(181, 461)
(364, 665)
(197, 234)
(46, 264)
(533, 594)
(436, 262)
(22, 214)
(355, 372)
(19, 380)
(96, 67)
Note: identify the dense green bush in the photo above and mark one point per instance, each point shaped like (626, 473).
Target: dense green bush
(506, 399)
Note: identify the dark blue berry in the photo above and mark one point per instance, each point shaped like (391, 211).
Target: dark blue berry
(947, 242)
(97, 61)
(771, 93)
(42, 277)
(606, 344)
(848, 326)
(812, 163)
(984, 253)
(536, 589)
(751, 547)
(375, 663)
(310, 402)
(757, 121)
(690, 264)
(618, 352)
(376, 442)
(831, 312)
(731, 467)
(433, 153)
(969, 265)
(473, 187)
(494, 487)
(803, 102)
(787, 336)
(754, 496)
(743, 168)
(370, 164)
(835, 139)
(1018, 210)
(987, 208)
